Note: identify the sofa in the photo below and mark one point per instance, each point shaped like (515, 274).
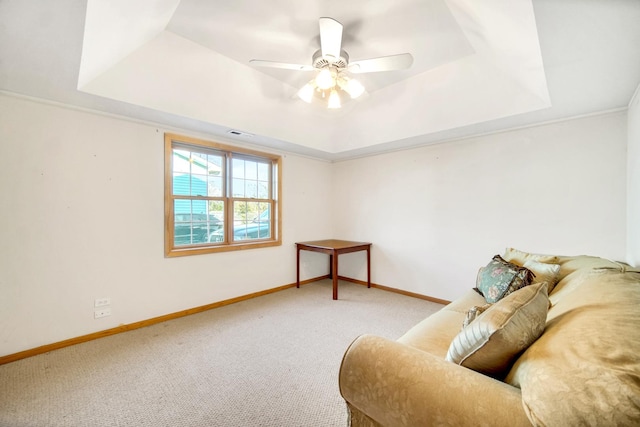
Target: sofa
(561, 347)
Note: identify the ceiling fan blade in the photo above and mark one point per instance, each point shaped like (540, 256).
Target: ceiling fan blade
(383, 63)
(283, 65)
(330, 37)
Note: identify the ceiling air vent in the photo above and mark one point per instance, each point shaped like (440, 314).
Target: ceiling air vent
(239, 133)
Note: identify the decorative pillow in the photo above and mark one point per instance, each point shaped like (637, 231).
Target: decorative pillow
(492, 341)
(549, 273)
(499, 278)
(474, 312)
(519, 257)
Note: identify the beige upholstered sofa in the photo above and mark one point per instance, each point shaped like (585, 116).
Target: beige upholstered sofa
(584, 368)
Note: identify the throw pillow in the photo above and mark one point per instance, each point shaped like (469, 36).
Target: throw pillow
(519, 257)
(473, 313)
(494, 339)
(499, 278)
(549, 273)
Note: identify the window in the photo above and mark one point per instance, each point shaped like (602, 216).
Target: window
(219, 198)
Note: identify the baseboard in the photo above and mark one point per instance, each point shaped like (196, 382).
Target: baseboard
(137, 325)
(395, 290)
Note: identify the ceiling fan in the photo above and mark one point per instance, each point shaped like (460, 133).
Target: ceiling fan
(333, 67)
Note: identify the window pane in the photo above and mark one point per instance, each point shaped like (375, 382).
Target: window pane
(181, 161)
(214, 166)
(216, 210)
(198, 185)
(198, 163)
(251, 221)
(238, 168)
(238, 188)
(263, 190)
(195, 185)
(251, 179)
(251, 189)
(193, 224)
(263, 171)
(215, 186)
(181, 184)
(191, 172)
(251, 170)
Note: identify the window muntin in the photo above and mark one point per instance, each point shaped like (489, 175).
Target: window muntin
(218, 197)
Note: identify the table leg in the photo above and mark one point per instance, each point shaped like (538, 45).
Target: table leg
(334, 273)
(368, 267)
(297, 266)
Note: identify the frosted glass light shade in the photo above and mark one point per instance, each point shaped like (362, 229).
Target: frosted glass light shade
(324, 79)
(334, 100)
(354, 88)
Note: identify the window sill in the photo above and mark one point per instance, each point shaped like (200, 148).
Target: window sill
(198, 250)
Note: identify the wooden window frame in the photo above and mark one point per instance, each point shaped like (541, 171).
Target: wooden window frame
(275, 198)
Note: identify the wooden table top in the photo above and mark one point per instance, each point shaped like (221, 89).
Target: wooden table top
(333, 244)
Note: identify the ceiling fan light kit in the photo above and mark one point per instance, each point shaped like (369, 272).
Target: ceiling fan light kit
(333, 67)
(328, 84)
(326, 78)
(352, 86)
(334, 100)
(306, 92)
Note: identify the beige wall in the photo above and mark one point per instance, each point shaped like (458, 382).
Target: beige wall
(82, 218)
(633, 181)
(436, 214)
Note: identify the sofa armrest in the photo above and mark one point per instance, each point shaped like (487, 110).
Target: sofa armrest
(398, 385)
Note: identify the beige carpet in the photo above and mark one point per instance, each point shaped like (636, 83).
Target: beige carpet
(269, 361)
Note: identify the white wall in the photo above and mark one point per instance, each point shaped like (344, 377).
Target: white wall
(436, 214)
(82, 218)
(633, 181)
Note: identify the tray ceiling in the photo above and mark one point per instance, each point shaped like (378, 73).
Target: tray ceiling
(479, 65)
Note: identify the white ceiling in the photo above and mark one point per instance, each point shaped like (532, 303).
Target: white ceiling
(479, 65)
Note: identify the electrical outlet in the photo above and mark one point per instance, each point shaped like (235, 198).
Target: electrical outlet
(103, 312)
(101, 302)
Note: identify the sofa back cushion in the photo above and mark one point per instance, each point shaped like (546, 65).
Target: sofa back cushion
(585, 368)
(548, 273)
(520, 257)
(546, 268)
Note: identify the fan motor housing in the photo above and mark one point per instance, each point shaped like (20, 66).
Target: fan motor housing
(320, 61)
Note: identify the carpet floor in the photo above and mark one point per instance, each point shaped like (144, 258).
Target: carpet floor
(268, 361)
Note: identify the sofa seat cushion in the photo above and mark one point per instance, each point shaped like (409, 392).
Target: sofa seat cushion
(434, 334)
(585, 368)
(465, 302)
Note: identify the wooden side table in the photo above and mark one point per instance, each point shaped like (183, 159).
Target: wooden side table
(333, 248)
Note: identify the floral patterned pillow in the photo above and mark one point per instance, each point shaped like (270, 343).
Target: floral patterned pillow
(474, 312)
(500, 278)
